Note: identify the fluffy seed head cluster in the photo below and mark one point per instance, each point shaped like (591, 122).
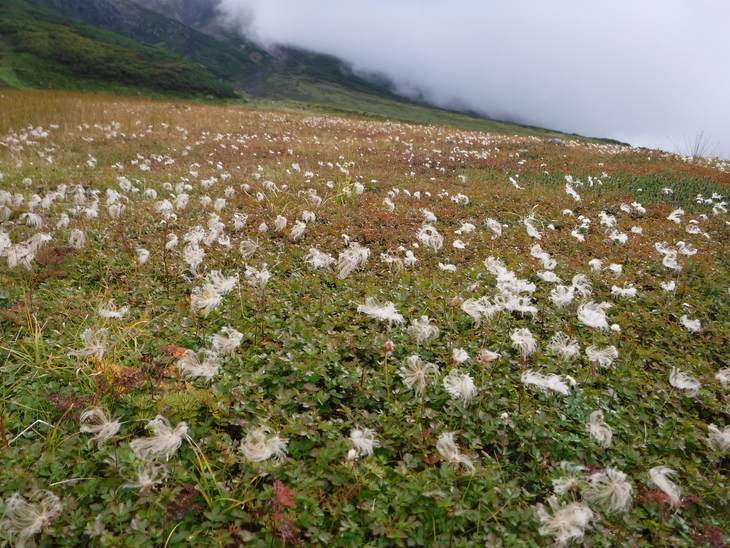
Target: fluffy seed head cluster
(164, 442)
(203, 363)
(26, 519)
(261, 444)
(610, 489)
(351, 259)
(417, 374)
(594, 315)
(449, 450)
(385, 312)
(227, 341)
(147, 475)
(554, 383)
(363, 443)
(94, 344)
(602, 357)
(658, 476)
(100, 424)
(568, 522)
(422, 330)
(257, 278)
(460, 386)
(599, 429)
(682, 381)
(430, 237)
(719, 440)
(571, 480)
(564, 346)
(693, 326)
(523, 340)
(111, 310)
(318, 259)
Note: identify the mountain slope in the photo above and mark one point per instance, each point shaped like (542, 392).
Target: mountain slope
(229, 56)
(41, 50)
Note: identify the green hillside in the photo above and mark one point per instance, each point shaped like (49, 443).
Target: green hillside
(42, 50)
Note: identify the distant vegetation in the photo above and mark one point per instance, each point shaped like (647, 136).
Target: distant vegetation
(47, 51)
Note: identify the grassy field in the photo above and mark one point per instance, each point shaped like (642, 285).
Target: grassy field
(224, 326)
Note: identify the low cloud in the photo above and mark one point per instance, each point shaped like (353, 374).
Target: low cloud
(650, 73)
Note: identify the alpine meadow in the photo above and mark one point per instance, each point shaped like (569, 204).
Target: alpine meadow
(238, 325)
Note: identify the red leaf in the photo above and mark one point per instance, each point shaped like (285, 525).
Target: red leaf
(283, 494)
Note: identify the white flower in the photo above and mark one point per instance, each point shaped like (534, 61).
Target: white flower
(103, 427)
(204, 363)
(668, 287)
(610, 488)
(418, 373)
(447, 448)
(28, 519)
(593, 314)
(568, 522)
(523, 340)
(164, 442)
(363, 443)
(422, 330)
(658, 476)
(260, 445)
(112, 311)
(682, 381)
(460, 386)
(693, 326)
(563, 345)
(602, 357)
(598, 428)
(447, 267)
(384, 312)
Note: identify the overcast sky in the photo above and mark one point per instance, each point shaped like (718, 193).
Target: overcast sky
(647, 72)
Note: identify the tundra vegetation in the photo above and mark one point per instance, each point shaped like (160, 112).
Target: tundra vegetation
(231, 327)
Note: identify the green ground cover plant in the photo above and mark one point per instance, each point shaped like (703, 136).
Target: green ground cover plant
(232, 327)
